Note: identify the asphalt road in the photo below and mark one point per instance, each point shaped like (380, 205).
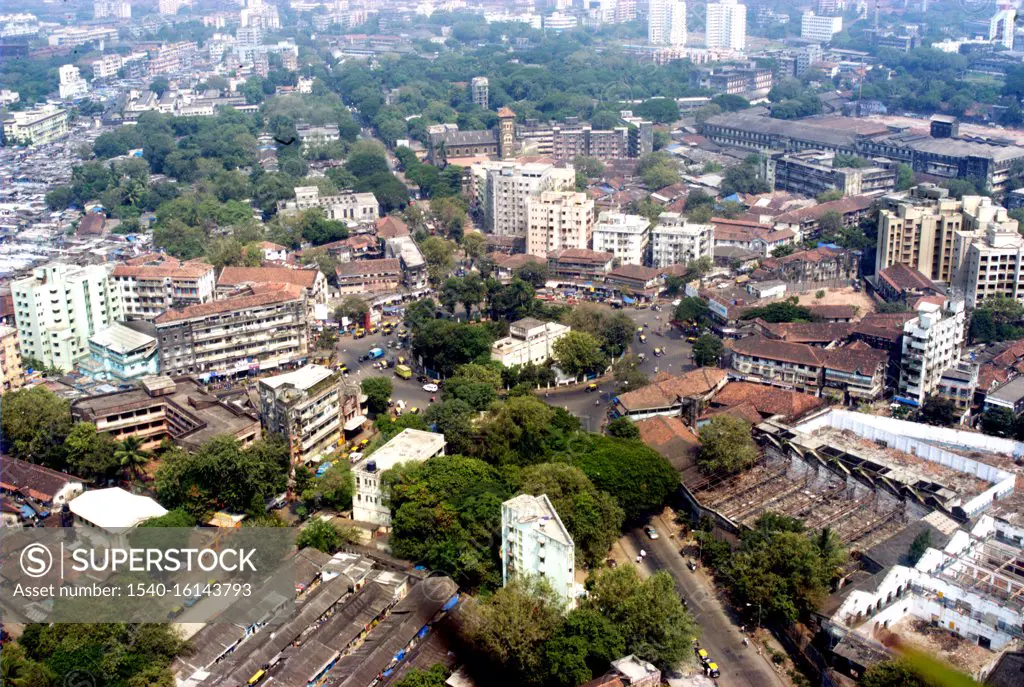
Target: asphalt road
(677, 358)
(741, 666)
(410, 391)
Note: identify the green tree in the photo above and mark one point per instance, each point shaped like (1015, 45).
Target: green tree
(639, 478)
(90, 453)
(579, 353)
(511, 628)
(649, 614)
(36, 424)
(592, 517)
(590, 167)
(894, 673)
(519, 432)
(938, 411)
(623, 428)
(434, 676)
(627, 373)
(778, 312)
(453, 418)
(333, 489)
(998, 422)
(378, 392)
(18, 670)
(905, 177)
(691, 309)
(584, 646)
(321, 535)
(440, 257)
(708, 350)
(130, 457)
(352, 307)
(59, 197)
(922, 542)
(444, 344)
(173, 518)
(726, 445)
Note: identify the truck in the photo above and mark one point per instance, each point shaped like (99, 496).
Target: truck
(403, 371)
(374, 353)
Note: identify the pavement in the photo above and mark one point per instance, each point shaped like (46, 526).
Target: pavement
(410, 391)
(678, 358)
(741, 666)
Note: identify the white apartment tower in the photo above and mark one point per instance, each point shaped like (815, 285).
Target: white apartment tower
(666, 22)
(59, 307)
(931, 344)
(726, 25)
(624, 236)
(814, 27)
(535, 544)
(501, 191)
(72, 85)
(370, 503)
(557, 220)
(674, 241)
(480, 90)
(1001, 27)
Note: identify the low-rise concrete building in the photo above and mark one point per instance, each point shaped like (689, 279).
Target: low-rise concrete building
(36, 127)
(153, 284)
(120, 353)
(674, 241)
(529, 341)
(369, 504)
(312, 282)
(178, 409)
(576, 265)
(347, 206)
(369, 276)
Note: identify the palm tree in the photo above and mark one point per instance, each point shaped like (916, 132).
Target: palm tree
(131, 457)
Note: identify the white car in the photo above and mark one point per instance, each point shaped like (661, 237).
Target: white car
(432, 388)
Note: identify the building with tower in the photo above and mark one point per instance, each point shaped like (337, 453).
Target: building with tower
(480, 89)
(726, 25)
(666, 22)
(451, 144)
(506, 133)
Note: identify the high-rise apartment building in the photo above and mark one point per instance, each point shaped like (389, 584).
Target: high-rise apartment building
(674, 241)
(111, 9)
(501, 191)
(535, 544)
(1001, 27)
(72, 85)
(261, 328)
(12, 372)
(917, 229)
(666, 22)
(480, 91)
(59, 307)
(557, 220)
(306, 407)
(989, 260)
(814, 27)
(726, 25)
(624, 236)
(38, 126)
(932, 342)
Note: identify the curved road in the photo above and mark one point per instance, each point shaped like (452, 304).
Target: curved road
(741, 666)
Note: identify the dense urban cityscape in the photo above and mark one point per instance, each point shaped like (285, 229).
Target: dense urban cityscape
(536, 342)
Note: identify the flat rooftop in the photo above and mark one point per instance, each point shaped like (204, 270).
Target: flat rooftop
(303, 378)
(409, 445)
(531, 509)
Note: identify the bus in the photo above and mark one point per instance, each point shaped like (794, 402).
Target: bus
(404, 371)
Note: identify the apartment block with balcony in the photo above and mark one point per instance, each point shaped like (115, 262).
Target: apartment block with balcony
(932, 343)
(59, 307)
(501, 190)
(625, 236)
(957, 385)
(989, 262)
(38, 126)
(12, 372)
(342, 207)
(917, 229)
(154, 284)
(557, 220)
(674, 241)
(306, 406)
(262, 328)
(798, 366)
(535, 544)
(812, 172)
(529, 341)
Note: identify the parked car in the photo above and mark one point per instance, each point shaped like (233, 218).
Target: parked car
(651, 532)
(430, 388)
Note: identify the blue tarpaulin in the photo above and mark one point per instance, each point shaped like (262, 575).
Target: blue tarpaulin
(627, 300)
(400, 655)
(450, 604)
(423, 632)
(906, 401)
(26, 511)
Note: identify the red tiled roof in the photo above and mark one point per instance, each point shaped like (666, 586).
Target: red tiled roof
(745, 411)
(770, 349)
(856, 360)
(833, 312)
(843, 206)
(391, 227)
(165, 269)
(815, 255)
(36, 481)
(905, 278)
(92, 223)
(670, 437)
(635, 272)
(363, 267)
(807, 332)
(768, 400)
(581, 255)
(666, 389)
(515, 261)
(238, 276)
(268, 245)
(258, 295)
